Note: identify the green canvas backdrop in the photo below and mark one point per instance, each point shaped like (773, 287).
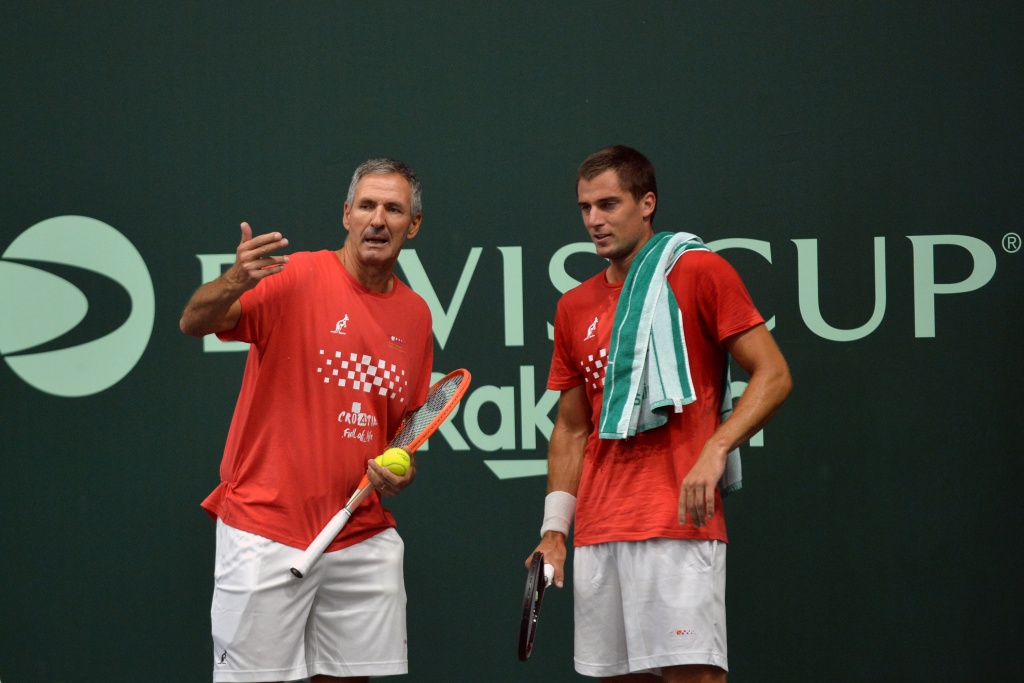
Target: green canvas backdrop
(859, 163)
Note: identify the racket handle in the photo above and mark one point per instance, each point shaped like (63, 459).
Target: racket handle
(329, 532)
(549, 574)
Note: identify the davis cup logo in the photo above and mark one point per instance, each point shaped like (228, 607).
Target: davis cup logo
(51, 277)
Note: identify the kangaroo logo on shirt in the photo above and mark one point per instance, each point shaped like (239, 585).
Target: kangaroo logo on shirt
(591, 330)
(339, 327)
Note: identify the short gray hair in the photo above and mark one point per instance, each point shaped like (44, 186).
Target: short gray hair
(385, 167)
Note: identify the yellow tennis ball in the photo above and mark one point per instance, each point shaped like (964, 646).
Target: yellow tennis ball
(395, 459)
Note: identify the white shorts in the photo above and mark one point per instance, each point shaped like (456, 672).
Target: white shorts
(345, 618)
(641, 606)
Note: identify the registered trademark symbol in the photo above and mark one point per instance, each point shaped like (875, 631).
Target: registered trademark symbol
(1011, 242)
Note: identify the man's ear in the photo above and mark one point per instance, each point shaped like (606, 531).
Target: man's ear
(415, 226)
(648, 203)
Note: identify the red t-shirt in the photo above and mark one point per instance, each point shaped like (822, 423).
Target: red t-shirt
(629, 490)
(331, 371)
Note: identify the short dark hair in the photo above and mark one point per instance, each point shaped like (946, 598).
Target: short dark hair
(387, 167)
(634, 170)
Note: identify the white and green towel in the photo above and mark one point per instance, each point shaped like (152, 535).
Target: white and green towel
(648, 375)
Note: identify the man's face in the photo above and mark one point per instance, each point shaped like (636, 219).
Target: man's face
(613, 218)
(380, 219)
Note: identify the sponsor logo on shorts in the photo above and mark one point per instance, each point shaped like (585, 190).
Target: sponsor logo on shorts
(223, 657)
(685, 633)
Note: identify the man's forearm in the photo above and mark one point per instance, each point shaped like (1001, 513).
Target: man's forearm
(765, 393)
(209, 309)
(565, 460)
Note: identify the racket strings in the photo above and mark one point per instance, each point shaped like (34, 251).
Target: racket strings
(437, 400)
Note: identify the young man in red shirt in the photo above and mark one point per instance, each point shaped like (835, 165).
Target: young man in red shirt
(650, 539)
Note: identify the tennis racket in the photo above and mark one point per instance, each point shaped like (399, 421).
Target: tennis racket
(537, 579)
(415, 429)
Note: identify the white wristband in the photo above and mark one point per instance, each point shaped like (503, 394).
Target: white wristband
(559, 509)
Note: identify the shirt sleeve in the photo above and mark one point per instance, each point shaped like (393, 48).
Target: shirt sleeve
(725, 305)
(262, 305)
(426, 366)
(563, 373)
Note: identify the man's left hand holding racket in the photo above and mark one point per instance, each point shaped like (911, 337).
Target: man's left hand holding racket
(386, 481)
(552, 547)
(545, 566)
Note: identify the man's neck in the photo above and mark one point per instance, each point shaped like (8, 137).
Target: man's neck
(378, 280)
(618, 269)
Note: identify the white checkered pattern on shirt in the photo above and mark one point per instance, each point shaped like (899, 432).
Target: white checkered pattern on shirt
(363, 373)
(594, 369)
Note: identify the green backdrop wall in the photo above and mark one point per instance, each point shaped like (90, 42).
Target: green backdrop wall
(860, 164)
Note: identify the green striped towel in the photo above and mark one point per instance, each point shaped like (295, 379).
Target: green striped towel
(648, 375)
